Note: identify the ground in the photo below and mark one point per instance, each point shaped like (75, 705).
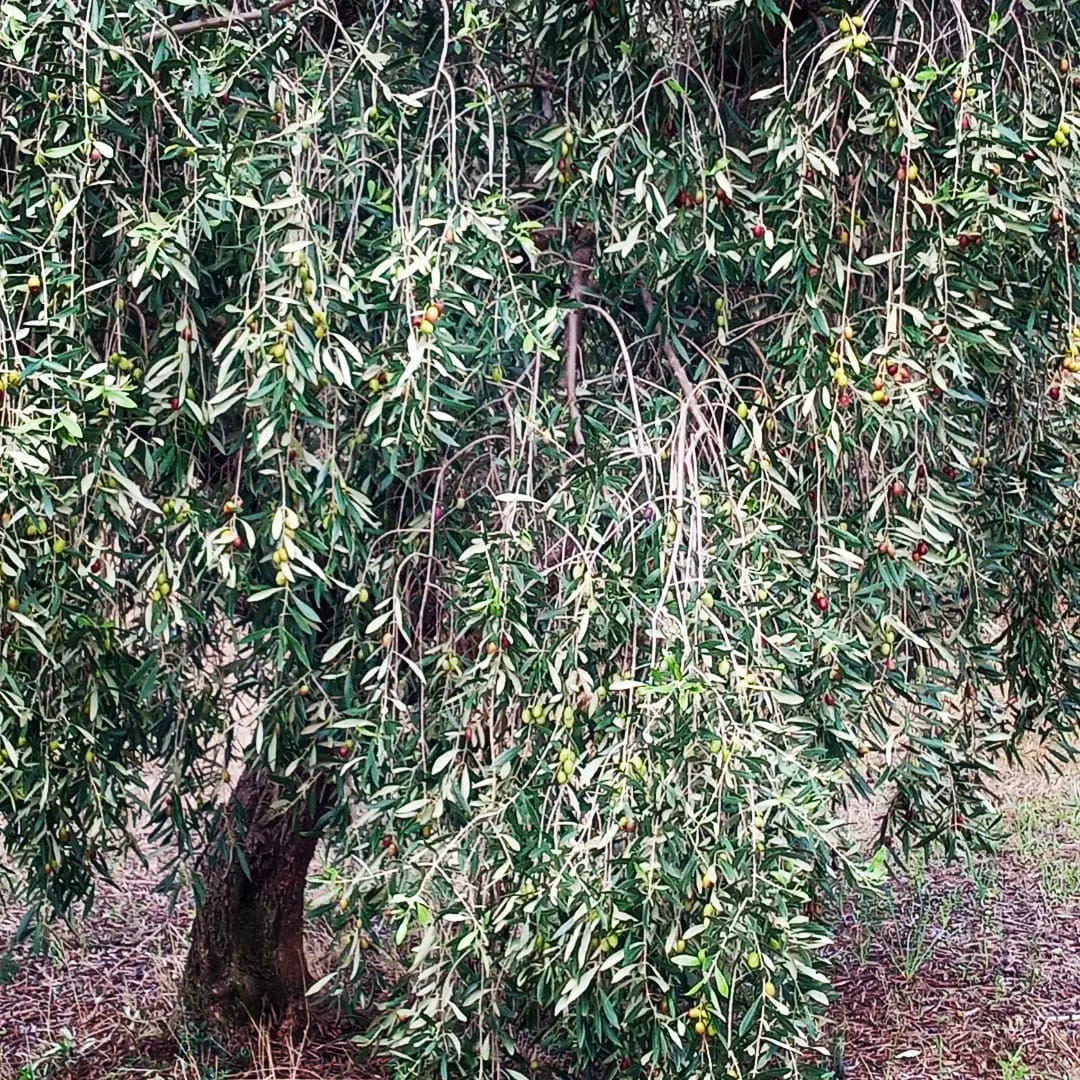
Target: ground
(101, 1006)
(963, 971)
(972, 970)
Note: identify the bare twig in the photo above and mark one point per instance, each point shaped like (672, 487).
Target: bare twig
(758, 352)
(580, 261)
(676, 365)
(214, 22)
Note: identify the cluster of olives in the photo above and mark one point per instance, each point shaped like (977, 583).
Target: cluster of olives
(161, 588)
(125, 366)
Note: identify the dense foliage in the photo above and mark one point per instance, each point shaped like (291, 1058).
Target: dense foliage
(597, 439)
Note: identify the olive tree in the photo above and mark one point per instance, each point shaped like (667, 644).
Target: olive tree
(556, 453)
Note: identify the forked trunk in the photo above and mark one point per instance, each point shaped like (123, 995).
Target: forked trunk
(246, 959)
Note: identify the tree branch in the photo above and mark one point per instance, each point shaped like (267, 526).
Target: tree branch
(581, 260)
(214, 22)
(675, 364)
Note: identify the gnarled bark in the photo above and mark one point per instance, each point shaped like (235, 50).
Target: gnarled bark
(246, 959)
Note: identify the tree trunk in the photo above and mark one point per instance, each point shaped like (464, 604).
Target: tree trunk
(246, 959)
